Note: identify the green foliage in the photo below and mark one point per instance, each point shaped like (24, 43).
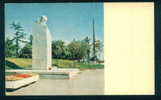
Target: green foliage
(75, 50)
(10, 48)
(26, 51)
(98, 49)
(10, 73)
(79, 50)
(91, 66)
(58, 49)
(65, 63)
(22, 63)
(18, 36)
(18, 63)
(11, 65)
(87, 41)
(30, 39)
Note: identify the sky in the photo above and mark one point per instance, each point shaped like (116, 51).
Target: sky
(66, 21)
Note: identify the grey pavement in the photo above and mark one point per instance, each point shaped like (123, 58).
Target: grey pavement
(88, 82)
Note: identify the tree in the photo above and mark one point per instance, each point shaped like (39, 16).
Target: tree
(58, 49)
(67, 53)
(10, 48)
(74, 49)
(26, 51)
(94, 46)
(78, 49)
(18, 35)
(98, 45)
(99, 48)
(30, 39)
(88, 46)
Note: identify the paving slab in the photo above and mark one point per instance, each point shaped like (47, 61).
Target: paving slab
(88, 82)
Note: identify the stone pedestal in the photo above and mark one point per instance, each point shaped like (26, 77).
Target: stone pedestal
(41, 47)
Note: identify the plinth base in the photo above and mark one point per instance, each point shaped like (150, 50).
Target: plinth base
(53, 74)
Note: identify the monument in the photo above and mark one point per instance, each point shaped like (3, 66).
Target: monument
(42, 54)
(41, 50)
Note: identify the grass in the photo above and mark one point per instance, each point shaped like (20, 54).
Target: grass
(91, 66)
(18, 63)
(10, 73)
(24, 63)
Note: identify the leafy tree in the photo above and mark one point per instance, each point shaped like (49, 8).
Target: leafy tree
(78, 49)
(74, 48)
(88, 46)
(99, 47)
(58, 49)
(67, 53)
(18, 35)
(26, 51)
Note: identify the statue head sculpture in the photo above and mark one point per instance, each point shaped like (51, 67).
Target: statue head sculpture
(42, 20)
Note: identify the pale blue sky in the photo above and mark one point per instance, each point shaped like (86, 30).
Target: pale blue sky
(65, 20)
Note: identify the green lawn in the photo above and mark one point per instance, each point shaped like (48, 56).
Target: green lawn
(23, 63)
(18, 63)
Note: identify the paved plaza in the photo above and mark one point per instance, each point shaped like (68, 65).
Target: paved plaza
(88, 82)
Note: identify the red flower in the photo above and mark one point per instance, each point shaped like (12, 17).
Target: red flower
(23, 75)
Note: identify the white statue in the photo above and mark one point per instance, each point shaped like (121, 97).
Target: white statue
(41, 47)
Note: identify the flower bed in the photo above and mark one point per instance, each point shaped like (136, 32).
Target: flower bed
(18, 76)
(18, 80)
(23, 75)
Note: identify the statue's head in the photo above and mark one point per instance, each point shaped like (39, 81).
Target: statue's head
(43, 19)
